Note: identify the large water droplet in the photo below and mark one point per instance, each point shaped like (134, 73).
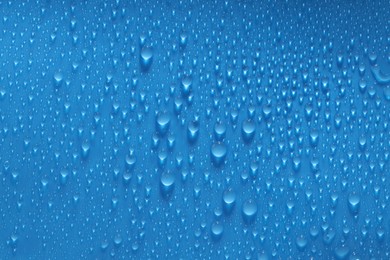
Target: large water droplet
(186, 83)
(248, 130)
(229, 200)
(162, 123)
(218, 153)
(216, 230)
(192, 131)
(249, 211)
(167, 182)
(58, 77)
(146, 57)
(301, 243)
(354, 203)
(219, 130)
(341, 252)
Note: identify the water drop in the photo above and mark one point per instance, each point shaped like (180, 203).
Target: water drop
(146, 57)
(58, 77)
(354, 203)
(216, 230)
(248, 130)
(167, 182)
(218, 153)
(229, 200)
(249, 211)
(162, 123)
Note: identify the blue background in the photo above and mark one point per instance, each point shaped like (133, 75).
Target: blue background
(194, 129)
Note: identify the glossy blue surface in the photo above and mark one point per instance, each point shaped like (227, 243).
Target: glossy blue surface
(194, 129)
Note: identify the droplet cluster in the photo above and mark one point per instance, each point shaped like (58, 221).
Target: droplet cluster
(194, 129)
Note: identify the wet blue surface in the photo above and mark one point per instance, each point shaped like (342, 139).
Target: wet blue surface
(194, 129)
